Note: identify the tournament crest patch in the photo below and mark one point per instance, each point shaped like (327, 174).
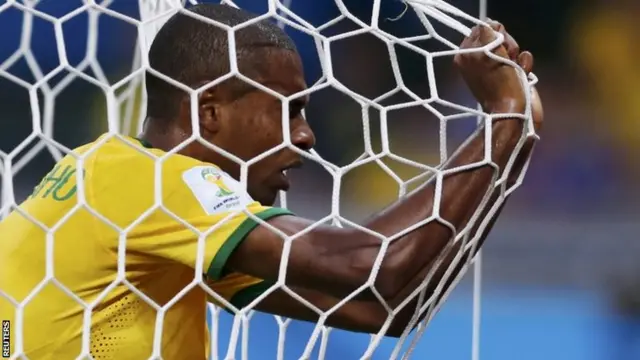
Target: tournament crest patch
(216, 190)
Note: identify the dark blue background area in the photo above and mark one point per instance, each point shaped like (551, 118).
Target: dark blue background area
(117, 38)
(119, 41)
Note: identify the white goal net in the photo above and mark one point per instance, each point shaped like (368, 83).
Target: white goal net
(442, 27)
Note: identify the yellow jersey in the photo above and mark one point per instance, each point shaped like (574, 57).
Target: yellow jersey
(168, 220)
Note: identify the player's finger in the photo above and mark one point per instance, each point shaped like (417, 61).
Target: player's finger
(495, 25)
(512, 45)
(486, 36)
(513, 49)
(525, 60)
(470, 40)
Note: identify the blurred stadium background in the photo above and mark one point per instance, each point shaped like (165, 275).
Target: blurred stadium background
(561, 276)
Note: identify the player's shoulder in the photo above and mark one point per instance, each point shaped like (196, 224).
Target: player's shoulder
(214, 190)
(134, 156)
(124, 168)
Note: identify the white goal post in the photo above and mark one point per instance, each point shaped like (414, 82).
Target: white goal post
(126, 110)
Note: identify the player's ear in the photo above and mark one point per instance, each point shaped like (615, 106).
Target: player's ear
(207, 111)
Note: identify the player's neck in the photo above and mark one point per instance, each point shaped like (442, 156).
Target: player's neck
(164, 139)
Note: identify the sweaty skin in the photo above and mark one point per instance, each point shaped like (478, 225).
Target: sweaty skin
(328, 263)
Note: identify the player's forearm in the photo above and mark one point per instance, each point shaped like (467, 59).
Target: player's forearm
(478, 235)
(403, 318)
(357, 315)
(339, 261)
(461, 194)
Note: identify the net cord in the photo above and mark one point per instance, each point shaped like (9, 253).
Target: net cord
(121, 103)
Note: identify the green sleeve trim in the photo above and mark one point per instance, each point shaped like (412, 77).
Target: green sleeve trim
(216, 268)
(245, 296)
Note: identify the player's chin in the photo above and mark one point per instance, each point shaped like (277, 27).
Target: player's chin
(270, 187)
(267, 197)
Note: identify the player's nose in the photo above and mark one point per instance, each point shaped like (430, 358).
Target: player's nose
(302, 136)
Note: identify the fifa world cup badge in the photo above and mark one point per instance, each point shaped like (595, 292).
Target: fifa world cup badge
(216, 178)
(216, 190)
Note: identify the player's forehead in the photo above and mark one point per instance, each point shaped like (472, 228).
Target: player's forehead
(282, 71)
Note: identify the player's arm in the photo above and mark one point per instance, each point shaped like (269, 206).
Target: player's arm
(338, 261)
(370, 316)
(525, 60)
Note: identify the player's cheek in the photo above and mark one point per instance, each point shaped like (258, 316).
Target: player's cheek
(275, 128)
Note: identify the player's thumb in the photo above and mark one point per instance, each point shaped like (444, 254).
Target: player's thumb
(525, 60)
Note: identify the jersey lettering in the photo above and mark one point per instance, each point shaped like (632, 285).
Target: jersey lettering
(120, 186)
(54, 182)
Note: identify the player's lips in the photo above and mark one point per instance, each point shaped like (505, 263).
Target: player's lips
(285, 182)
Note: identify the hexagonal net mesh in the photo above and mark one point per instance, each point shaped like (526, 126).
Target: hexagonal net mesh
(125, 110)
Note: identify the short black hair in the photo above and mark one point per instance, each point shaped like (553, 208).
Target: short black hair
(191, 51)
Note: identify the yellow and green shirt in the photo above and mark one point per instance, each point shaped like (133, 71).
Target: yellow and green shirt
(168, 219)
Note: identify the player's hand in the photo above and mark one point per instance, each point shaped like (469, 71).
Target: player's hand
(525, 60)
(495, 85)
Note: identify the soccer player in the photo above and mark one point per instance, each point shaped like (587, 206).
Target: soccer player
(167, 261)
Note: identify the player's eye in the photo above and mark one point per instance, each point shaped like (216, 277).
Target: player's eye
(295, 107)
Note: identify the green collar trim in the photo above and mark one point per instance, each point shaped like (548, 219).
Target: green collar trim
(145, 143)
